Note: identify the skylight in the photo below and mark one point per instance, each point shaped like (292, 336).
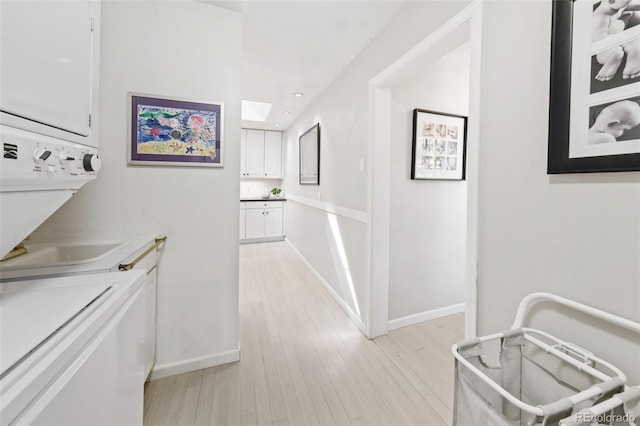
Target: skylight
(255, 111)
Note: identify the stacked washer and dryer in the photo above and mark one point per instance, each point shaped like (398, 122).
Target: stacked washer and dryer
(71, 348)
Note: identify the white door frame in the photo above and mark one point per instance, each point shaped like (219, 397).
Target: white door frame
(465, 26)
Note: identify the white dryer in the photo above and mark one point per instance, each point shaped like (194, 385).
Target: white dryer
(49, 84)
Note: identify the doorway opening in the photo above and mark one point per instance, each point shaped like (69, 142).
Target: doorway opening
(400, 292)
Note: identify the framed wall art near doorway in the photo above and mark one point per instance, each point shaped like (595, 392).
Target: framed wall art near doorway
(174, 132)
(594, 108)
(439, 146)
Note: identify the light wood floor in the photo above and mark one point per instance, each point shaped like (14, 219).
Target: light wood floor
(304, 363)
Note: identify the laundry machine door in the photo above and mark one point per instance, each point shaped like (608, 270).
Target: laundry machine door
(104, 385)
(46, 50)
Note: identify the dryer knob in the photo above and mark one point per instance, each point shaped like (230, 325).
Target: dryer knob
(91, 162)
(41, 155)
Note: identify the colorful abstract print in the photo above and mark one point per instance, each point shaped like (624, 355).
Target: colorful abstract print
(176, 131)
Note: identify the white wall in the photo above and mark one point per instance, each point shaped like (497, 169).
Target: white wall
(197, 208)
(574, 235)
(428, 218)
(342, 112)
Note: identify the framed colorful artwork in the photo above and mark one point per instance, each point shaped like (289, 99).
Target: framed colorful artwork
(173, 132)
(594, 108)
(439, 145)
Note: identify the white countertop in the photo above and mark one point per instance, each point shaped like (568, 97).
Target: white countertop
(261, 199)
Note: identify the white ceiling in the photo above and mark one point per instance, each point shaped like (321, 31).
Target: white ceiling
(301, 46)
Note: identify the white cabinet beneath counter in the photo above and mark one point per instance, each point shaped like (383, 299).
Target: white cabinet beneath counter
(261, 221)
(243, 215)
(260, 154)
(149, 263)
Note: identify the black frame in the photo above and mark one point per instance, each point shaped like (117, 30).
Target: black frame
(415, 139)
(558, 160)
(317, 128)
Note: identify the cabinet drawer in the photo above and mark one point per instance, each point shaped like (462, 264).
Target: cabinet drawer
(265, 205)
(243, 205)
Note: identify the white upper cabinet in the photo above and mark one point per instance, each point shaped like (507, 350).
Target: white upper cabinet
(261, 154)
(243, 152)
(46, 56)
(273, 154)
(254, 154)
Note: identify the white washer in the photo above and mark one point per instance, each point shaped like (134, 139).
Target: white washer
(71, 350)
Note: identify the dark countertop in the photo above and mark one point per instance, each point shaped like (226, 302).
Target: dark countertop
(261, 199)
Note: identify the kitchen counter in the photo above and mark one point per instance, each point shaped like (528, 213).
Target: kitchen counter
(261, 199)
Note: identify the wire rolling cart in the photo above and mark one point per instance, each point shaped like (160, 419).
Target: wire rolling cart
(526, 376)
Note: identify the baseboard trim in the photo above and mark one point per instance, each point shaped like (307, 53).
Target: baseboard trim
(193, 364)
(261, 240)
(352, 315)
(426, 316)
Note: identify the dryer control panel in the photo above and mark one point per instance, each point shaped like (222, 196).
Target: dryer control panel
(36, 162)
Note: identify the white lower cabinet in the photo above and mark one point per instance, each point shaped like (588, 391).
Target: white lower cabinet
(262, 220)
(273, 222)
(150, 297)
(243, 215)
(149, 263)
(254, 224)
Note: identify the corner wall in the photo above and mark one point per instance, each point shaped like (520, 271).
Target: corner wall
(197, 208)
(574, 235)
(340, 203)
(428, 218)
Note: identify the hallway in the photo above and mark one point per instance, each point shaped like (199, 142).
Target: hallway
(304, 363)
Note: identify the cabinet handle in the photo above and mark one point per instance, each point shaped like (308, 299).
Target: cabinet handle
(129, 266)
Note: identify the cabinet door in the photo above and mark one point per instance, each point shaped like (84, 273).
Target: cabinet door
(242, 224)
(150, 293)
(273, 223)
(46, 60)
(255, 153)
(243, 153)
(254, 221)
(273, 154)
